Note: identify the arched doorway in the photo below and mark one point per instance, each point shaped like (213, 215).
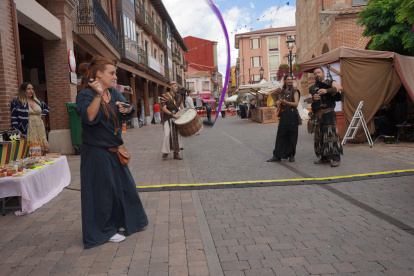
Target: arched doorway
(325, 49)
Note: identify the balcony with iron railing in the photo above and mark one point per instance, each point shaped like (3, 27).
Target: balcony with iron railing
(149, 24)
(140, 13)
(158, 37)
(142, 57)
(166, 72)
(186, 66)
(179, 80)
(176, 58)
(94, 26)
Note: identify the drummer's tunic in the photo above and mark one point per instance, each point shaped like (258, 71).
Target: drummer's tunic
(172, 138)
(109, 198)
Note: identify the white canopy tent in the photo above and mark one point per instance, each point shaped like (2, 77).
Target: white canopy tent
(231, 99)
(263, 88)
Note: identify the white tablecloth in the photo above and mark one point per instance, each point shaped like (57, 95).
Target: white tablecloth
(37, 187)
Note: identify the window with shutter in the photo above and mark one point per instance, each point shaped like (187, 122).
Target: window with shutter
(191, 86)
(206, 86)
(273, 62)
(256, 61)
(255, 43)
(255, 79)
(274, 44)
(273, 77)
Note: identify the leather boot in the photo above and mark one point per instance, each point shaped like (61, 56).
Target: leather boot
(322, 161)
(177, 156)
(274, 159)
(335, 163)
(164, 155)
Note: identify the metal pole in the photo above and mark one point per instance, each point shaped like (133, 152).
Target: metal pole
(249, 76)
(290, 61)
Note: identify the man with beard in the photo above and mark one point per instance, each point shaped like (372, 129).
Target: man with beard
(327, 143)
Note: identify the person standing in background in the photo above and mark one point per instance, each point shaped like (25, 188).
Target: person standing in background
(287, 131)
(157, 116)
(189, 101)
(26, 116)
(223, 110)
(208, 110)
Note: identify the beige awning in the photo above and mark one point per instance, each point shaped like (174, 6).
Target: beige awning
(262, 88)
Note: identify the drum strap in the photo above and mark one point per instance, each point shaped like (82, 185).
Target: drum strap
(172, 98)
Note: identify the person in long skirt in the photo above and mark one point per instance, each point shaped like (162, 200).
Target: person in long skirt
(287, 131)
(109, 198)
(242, 108)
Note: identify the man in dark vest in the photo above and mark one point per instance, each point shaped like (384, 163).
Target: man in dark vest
(327, 143)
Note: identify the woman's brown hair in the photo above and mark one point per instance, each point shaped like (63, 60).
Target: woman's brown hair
(22, 94)
(89, 70)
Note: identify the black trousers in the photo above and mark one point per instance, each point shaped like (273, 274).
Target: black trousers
(223, 114)
(209, 116)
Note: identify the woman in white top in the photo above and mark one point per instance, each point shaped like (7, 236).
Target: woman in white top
(223, 110)
(189, 101)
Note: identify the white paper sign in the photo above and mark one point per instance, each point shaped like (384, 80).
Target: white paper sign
(335, 77)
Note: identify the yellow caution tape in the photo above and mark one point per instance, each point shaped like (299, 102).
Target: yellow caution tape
(276, 180)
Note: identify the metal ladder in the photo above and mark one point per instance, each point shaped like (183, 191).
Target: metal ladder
(358, 115)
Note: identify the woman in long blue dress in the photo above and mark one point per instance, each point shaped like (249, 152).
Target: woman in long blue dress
(109, 197)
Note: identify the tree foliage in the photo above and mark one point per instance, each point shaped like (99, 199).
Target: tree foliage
(389, 23)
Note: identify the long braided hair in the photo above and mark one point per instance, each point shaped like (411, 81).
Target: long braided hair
(89, 70)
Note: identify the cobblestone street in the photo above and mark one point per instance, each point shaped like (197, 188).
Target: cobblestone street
(349, 228)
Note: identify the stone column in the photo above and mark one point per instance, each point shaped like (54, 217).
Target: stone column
(147, 120)
(60, 90)
(134, 120)
(155, 86)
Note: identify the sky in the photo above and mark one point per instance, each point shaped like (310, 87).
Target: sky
(195, 18)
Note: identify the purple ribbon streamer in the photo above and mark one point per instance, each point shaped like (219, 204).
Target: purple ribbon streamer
(226, 79)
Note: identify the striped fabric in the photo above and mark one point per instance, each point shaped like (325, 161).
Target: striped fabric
(13, 150)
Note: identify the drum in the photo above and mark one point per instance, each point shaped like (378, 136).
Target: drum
(189, 124)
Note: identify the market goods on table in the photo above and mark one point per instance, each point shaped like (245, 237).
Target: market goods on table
(20, 167)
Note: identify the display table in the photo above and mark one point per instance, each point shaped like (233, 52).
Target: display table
(38, 186)
(264, 115)
(13, 150)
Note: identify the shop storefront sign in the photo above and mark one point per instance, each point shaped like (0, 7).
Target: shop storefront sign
(72, 61)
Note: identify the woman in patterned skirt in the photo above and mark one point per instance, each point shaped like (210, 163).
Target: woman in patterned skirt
(26, 115)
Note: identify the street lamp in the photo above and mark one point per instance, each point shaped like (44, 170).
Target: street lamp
(261, 73)
(290, 43)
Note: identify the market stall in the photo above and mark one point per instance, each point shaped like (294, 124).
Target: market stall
(36, 180)
(374, 77)
(259, 110)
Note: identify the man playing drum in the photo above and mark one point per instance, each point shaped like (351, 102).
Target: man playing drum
(172, 102)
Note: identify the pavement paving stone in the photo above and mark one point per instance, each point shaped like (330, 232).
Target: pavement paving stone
(283, 230)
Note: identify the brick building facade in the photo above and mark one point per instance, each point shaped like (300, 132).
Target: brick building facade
(203, 57)
(325, 25)
(36, 36)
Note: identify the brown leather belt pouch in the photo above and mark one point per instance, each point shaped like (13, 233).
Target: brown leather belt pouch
(123, 154)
